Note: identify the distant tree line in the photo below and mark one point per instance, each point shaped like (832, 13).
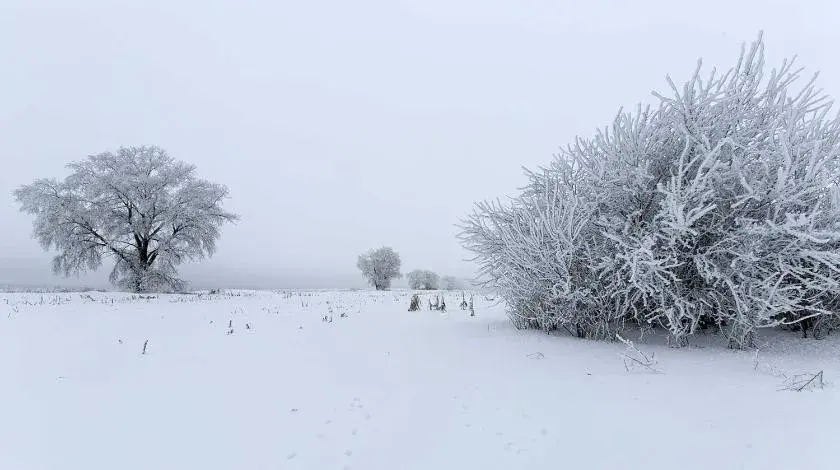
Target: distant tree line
(382, 265)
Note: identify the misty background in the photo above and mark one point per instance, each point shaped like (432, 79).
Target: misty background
(343, 126)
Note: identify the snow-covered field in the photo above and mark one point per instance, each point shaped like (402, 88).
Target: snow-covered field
(381, 388)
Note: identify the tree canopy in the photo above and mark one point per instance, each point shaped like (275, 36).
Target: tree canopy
(380, 267)
(139, 206)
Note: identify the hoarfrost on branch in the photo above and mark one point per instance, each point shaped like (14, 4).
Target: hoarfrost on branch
(718, 207)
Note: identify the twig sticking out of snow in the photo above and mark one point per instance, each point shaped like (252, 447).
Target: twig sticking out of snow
(145, 345)
(635, 358)
(801, 382)
(793, 383)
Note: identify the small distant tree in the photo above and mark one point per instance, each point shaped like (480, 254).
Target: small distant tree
(451, 283)
(422, 279)
(380, 267)
(138, 206)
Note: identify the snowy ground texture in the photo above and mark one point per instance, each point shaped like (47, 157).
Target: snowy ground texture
(384, 389)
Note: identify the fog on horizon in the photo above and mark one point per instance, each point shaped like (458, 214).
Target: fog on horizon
(343, 126)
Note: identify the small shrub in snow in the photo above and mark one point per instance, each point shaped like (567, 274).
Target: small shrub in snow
(415, 303)
(721, 206)
(439, 304)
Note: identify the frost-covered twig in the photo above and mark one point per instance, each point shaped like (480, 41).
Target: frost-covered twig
(791, 382)
(635, 358)
(802, 382)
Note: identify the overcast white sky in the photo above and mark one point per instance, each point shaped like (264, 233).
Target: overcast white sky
(344, 125)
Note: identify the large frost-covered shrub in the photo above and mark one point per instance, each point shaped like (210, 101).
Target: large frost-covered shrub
(718, 207)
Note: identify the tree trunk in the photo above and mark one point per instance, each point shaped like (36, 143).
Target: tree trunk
(144, 264)
(138, 286)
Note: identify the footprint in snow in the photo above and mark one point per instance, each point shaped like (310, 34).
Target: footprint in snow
(291, 456)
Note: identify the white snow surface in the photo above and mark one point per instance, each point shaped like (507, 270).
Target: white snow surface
(384, 389)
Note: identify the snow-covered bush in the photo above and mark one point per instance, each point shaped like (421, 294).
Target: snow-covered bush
(380, 267)
(422, 279)
(414, 305)
(719, 206)
(451, 283)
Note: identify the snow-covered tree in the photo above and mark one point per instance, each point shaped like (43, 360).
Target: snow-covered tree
(423, 279)
(451, 283)
(380, 267)
(140, 207)
(719, 207)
